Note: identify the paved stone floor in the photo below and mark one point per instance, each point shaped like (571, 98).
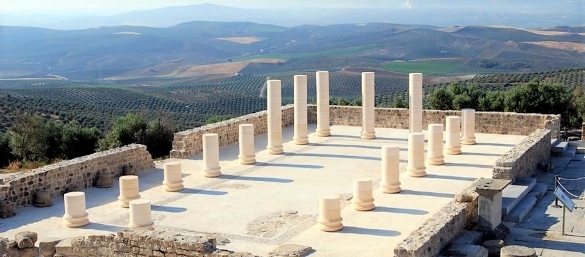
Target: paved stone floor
(542, 228)
(255, 208)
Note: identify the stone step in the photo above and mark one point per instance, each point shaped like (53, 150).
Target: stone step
(569, 152)
(559, 147)
(540, 189)
(513, 194)
(523, 208)
(465, 250)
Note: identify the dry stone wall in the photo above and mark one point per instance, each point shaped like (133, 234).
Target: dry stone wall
(189, 142)
(522, 160)
(18, 190)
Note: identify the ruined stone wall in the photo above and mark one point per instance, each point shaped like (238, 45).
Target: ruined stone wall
(189, 142)
(442, 228)
(522, 160)
(18, 190)
(486, 122)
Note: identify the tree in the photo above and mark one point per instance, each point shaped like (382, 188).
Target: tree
(27, 138)
(440, 99)
(399, 102)
(52, 139)
(77, 141)
(159, 138)
(5, 150)
(492, 101)
(126, 130)
(218, 118)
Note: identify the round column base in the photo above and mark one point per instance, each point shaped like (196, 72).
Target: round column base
(247, 160)
(330, 226)
(323, 133)
(124, 202)
(136, 226)
(212, 173)
(173, 186)
(301, 141)
(274, 150)
(453, 150)
(363, 206)
(417, 172)
(468, 141)
(75, 222)
(368, 136)
(390, 189)
(436, 161)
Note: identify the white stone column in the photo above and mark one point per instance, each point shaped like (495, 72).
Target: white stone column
(211, 168)
(416, 155)
(173, 179)
(415, 93)
(452, 135)
(300, 109)
(368, 102)
(128, 190)
(274, 105)
(363, 199)
(140, 214)
(247, 154)
(322, 78)
(468, 126)
(390, 183)
(75, 210)
(330, 213)
(435, 145)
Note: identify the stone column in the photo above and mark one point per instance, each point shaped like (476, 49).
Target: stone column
(75, 210)
(416, 155)
(247, 155)
(390, 183)
(140, 214)
(452, 135)
(323, 104)
(490, 202)
(211, 168)
(435, 145)
(300, 109)
(330, 213)
(415, 93)
(173, 179)
(368, 102)
(468, 126)
(128, 190)
(274, 105)
(362, 199)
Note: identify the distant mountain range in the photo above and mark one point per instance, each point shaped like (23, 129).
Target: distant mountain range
(533, 14)
(184, 50)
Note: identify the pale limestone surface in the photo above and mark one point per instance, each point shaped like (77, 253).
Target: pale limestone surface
(247, 154)
(211, 167)
(300, 102)
(452, 135)
(75, 210)
(415, 110)
(246, 195)
(435, 145)
(140, 214)
(368, 105)
(129, 190)
(322, 85)
(363, 199)
(416, 155)
(273, 105)
(390, 182)
(468, 126)
(173, 180)
(330, 213)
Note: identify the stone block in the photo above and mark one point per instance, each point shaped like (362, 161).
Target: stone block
(25, 239)
(290, 250)
(47, 247)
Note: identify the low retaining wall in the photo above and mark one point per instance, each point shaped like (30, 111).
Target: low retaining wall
(522, 160)
(18, 190)
(189, 142)
(486, 122)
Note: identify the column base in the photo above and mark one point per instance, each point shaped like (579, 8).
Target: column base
(146, 227)
(124, 202)
(173, 186)
(417, 172)
(436, 160)
(247, 160)
(274, 150)
(468, 141)
(363, 206)
(301, 141)
(209, 173)
(75, 222)
(323, 133)
(453, 150)
(390, 189)
(369, 135)
(330, 225)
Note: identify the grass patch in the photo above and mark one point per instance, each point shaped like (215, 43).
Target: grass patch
(425, 67)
